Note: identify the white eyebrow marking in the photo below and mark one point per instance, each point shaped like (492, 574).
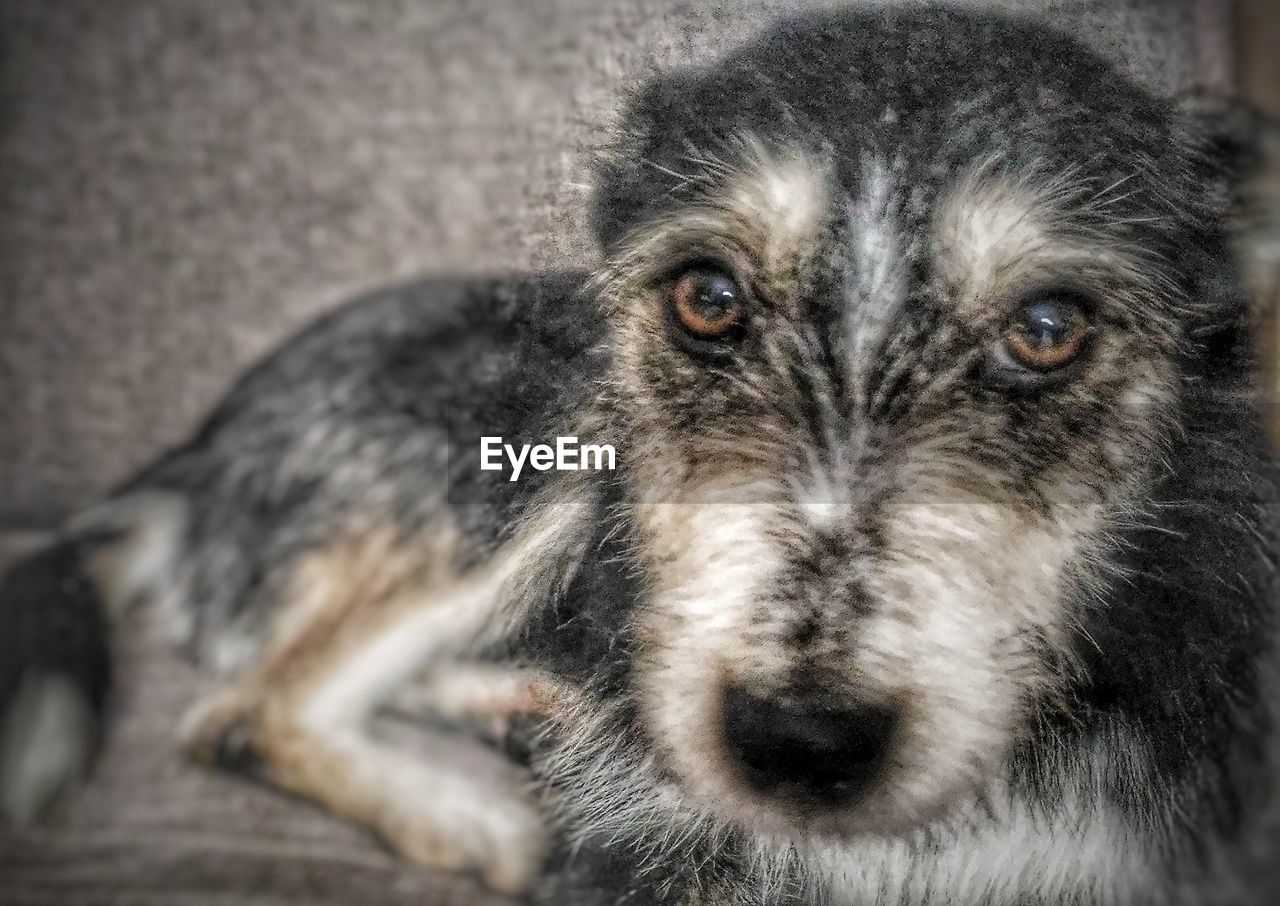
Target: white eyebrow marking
(985, 227)
(997, 232)
(783, 196)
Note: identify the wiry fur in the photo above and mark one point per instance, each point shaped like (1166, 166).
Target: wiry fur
(1064, 589)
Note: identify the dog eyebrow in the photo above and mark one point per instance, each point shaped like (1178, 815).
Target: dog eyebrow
(763, 203)
(785, 194)
(997, 233)
(986, 228)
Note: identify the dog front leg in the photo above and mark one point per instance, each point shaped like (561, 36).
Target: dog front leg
(300, 719)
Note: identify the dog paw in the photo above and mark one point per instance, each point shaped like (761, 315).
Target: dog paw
(503, 842)
(218, 731)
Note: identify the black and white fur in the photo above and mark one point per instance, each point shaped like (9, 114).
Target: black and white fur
(1063, 592)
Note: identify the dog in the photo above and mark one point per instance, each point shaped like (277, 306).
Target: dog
(938, 564)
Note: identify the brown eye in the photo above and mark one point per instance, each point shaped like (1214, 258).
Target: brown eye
(707, 302)
(1048, 333)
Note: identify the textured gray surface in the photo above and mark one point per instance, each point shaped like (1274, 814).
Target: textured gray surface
(183, 182)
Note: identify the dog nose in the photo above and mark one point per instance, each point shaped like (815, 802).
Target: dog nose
(802, 745)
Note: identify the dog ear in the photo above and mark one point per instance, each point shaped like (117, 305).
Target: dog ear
(1236, 162)
(1236, 166)
(1228, 140)
(625, 172)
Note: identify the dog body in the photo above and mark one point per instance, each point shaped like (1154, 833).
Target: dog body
(939, 564)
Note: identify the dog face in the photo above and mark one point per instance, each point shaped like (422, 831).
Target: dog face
(896, 302)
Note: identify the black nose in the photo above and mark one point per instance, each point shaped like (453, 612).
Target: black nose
(805, 745)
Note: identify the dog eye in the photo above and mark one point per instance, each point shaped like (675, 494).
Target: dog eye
(707, 303)
(1045, 334)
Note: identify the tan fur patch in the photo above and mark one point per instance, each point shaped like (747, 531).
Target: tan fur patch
(141, 565)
